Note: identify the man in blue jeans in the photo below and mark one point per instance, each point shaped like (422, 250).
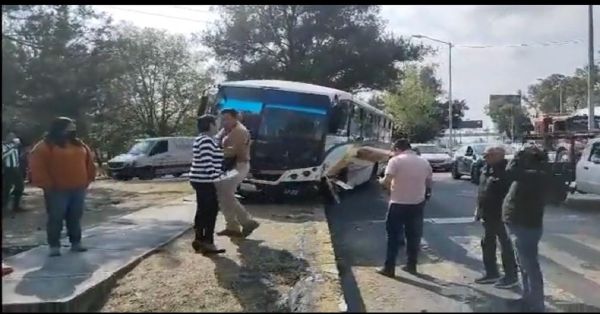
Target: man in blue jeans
(523, 213)
(408, 177)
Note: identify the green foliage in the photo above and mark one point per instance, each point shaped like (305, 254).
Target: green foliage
(509, 116)
(118, 82)
(418, 114)
(544, 96)
(341, 46)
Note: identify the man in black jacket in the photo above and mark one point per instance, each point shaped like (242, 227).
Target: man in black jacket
(492, 190)
(523, 212)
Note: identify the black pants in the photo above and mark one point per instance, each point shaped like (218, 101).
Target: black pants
(407, 219)
(207, 208)
(495, 229)
(12, 181)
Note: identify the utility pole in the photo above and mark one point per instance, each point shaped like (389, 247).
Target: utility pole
(591, 71)
(450, 137)
(450, 92)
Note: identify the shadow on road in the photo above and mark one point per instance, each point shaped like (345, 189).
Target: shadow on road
(261, 270)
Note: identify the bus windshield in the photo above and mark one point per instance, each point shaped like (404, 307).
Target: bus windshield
(292, 122)
(272, 113)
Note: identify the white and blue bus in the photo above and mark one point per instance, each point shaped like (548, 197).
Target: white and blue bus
(299, 131)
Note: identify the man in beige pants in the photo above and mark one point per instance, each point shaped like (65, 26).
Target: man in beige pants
(235, 139)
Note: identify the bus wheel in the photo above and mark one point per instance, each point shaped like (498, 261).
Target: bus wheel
(147, 174)
(177, 175)
(123, 178)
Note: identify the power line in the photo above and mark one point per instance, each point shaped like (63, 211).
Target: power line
(524, 45)
(186, 8)
(161, 15)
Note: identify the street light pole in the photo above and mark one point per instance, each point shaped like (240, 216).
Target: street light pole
(450, 94)
(450, 137)
(591, 71)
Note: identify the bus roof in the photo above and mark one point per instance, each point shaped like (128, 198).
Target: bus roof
(304, 88)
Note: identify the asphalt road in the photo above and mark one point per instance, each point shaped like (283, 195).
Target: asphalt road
(451, 255)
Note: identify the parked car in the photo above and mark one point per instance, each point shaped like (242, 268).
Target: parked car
(438, 158)
(468, 160)
(587, 171)
(151, 157)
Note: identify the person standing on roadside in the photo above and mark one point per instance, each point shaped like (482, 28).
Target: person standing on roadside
(493, 187)
(63, 166)
(523, 213)
(12, 180)
(408, 177)
(235, 140)
(206, 170)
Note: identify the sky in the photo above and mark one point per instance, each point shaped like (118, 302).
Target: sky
(556, 38)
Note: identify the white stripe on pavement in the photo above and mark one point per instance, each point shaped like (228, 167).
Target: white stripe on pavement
(568, 261)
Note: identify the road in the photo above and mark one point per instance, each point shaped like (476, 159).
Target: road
(451, 254)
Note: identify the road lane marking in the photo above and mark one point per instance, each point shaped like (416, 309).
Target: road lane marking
(590, 242)
(568, 261)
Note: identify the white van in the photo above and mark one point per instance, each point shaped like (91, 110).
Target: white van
(587, 173)
(153, 157)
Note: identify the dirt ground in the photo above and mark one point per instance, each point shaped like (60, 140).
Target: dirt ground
(278, 268)
(107, 199)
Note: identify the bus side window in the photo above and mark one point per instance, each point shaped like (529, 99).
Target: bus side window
(355, 123)
(338, 121)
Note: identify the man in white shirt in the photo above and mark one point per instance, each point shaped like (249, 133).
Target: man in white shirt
(408, 177)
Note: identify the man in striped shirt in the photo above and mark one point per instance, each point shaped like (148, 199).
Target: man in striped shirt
(206, 170)
(12, 180)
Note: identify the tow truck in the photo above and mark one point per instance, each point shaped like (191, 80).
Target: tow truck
(564, 138)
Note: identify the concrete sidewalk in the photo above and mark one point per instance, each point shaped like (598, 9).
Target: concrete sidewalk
(75, 281)
(88, 281)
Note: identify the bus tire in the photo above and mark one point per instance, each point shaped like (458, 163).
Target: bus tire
(123, 178)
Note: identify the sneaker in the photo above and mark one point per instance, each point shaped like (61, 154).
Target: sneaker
(506, 283)
(54, 251)
(487, 279)
(248, 229)
(78, 248)
(387, 272)
(230, 233)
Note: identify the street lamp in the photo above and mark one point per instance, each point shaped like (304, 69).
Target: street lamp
(449, 82)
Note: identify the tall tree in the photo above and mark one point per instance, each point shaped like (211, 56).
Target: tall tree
(545, 95)
(51, 53)
(162, 82)
(411, 103)
(342, 46)
(509, 117)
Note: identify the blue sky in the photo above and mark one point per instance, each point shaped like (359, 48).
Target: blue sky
(477, 73)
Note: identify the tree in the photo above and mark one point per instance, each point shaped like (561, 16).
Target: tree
(162, 82)
(545, 96)
(341, 46)
(509, 116)
(411, 103)
(51, 54)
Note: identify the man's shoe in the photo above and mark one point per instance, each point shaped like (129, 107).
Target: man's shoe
(249, 228)
(387, 272)
(78, 248)
(487, 279)
(507, 283)
(210, 248)
(411, 269)
(229, 233)
(54, 251)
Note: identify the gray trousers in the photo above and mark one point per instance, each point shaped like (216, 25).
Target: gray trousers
(234, 212)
